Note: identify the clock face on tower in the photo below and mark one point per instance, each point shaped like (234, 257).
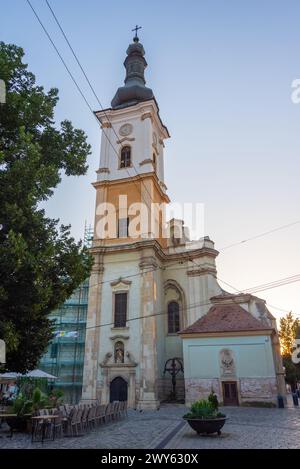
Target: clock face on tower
(125, 130)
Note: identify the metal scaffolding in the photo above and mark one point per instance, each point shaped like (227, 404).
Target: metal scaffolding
(65, 354)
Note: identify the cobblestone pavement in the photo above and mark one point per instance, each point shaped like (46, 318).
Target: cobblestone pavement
(245, 428)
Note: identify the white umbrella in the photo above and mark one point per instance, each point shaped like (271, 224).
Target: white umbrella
(40, 374)
(30, 374)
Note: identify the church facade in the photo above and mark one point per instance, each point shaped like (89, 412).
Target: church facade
(151, 286)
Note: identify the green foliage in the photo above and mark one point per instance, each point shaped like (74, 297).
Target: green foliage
(56, 397)
(27, 385)
(213, 399)
(25, 404)
(18, 404)
(22, 405)
(40, 263)
(203, 409)
(289, 326)
(292, 371)
(39, 399)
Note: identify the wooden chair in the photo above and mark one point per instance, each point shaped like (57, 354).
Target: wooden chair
(91, 417)
(115, 410)
(70, 423)
(109, 412)
(100, 414)
(57, 426)
(78, 422)
(123, 409)
(84, 418)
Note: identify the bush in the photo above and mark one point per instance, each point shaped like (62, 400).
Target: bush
(21, 405)
(203, 409)
(213, 399)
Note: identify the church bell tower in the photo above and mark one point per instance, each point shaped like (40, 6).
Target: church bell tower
(131, 172)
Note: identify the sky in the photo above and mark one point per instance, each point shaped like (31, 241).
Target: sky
(222, 73)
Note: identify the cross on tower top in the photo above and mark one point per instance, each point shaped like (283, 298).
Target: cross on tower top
(136, 30)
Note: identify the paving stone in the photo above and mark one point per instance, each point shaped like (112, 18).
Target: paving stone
(245, 428)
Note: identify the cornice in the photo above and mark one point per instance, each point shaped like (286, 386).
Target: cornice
(120, 280)
(134, 179)
(103, 170)
(161, 253)
(196, 335)
(124, 139)
(105, 115)
(201, 271)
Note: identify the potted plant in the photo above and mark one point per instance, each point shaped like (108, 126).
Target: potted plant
(204, 416)
(21, 406)
(24, 407)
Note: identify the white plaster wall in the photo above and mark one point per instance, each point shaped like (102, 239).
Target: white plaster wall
(253, 356)
(198, 289)
(116, 266)
(141, 146)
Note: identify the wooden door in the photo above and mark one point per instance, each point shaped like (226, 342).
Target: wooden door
(118, 390)
(230, 394)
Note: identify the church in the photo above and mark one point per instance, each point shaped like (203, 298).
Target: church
(155, 307)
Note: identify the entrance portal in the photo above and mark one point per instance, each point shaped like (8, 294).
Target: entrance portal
(118, 390)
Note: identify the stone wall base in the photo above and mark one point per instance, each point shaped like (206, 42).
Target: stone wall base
(196, 389)
(249, 389)
(258, 389)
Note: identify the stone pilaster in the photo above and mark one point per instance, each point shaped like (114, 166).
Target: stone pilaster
(148, 328)
(90, 370)
(281, 387)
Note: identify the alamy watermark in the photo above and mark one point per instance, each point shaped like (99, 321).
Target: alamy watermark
(148, 221)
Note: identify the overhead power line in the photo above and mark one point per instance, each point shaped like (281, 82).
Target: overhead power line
(164, 312)
(99, 102)
(265, 233)
(107, 117)
(241, 291)
(96, 96)
(86, 101)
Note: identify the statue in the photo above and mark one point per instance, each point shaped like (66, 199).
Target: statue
(119, 352)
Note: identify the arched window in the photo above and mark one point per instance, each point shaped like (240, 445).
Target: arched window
(119, 352)
(125, 157)
(173, 317)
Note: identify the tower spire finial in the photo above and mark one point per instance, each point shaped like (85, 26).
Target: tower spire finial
(136, 39)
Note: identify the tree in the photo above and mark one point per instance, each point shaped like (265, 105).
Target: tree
(292, 371)
(40, 263)
(287, 332)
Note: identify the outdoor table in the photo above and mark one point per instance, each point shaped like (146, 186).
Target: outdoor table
(44, 419)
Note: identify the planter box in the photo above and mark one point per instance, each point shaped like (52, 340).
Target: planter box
(207, 425)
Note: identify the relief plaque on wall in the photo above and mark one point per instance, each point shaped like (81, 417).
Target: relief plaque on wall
(227, 364)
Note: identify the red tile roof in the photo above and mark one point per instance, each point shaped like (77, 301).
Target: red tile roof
(226, 318)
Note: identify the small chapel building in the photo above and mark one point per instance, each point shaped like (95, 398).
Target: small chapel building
(152, 297)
